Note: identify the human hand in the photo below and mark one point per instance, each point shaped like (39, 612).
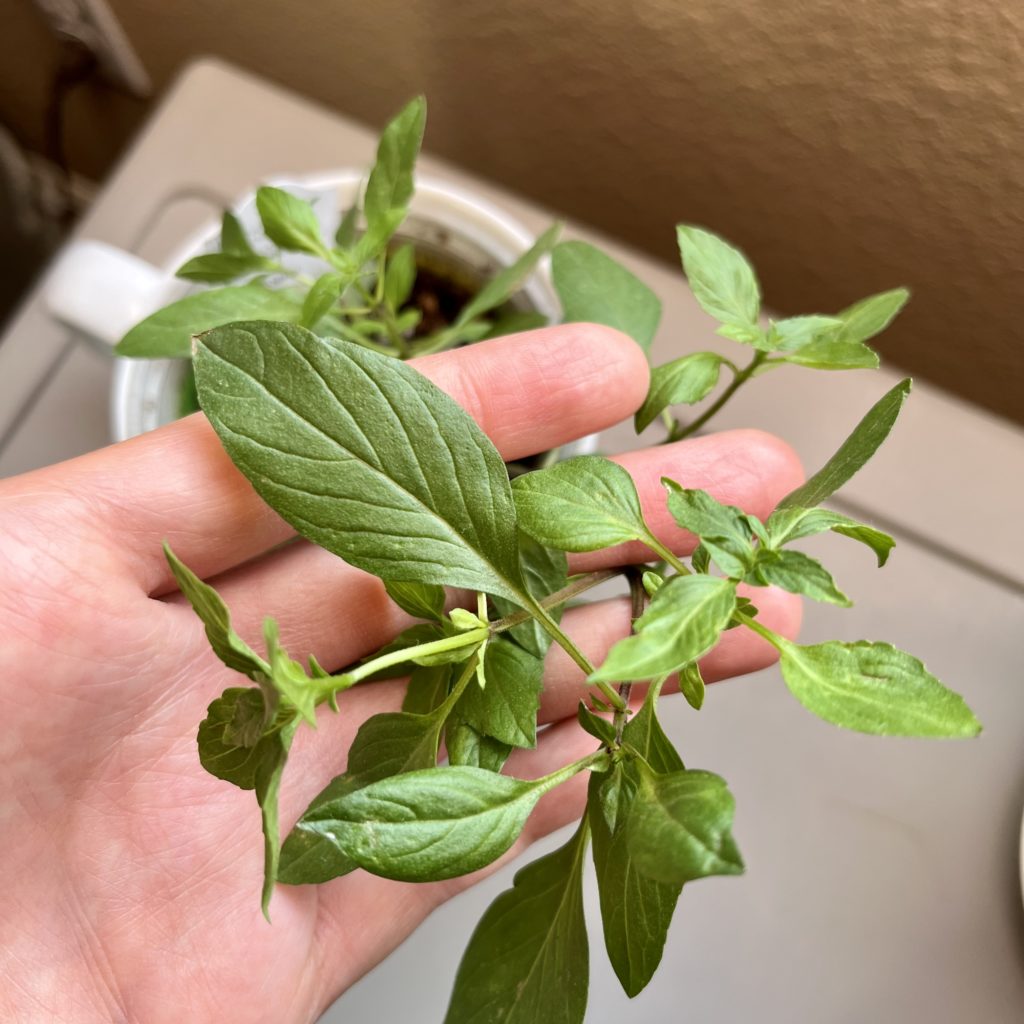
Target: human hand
(134, 877)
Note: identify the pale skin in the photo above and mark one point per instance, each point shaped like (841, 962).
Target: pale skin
(132, 877)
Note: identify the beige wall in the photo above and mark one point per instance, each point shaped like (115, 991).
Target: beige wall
(848, 146)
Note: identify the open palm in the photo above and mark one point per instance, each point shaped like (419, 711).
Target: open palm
(133, 876)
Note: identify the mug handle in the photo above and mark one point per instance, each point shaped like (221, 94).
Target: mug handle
(104, 291)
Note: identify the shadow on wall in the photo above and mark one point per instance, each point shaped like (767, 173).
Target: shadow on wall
(848, 148)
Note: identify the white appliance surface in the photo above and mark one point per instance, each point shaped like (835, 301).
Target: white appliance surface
(883, 880)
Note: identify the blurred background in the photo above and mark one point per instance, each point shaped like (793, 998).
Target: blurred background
(847, 147)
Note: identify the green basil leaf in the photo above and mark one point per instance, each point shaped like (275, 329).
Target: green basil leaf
(853, 453)
(788, 524)
(700, 560)
(594, 288)
(423, 497)
(545, 571)
(684, 381)
(683, 622)
(268, 784)
(230, 740)
(470, 748)
(796, 332)
(233, 239)
(289, 222)
(322, 295)
(799, 574)
(389, 188)
(427, 689)
(207, 604)
(420, 600)
(527, 960)
(874, 688)
(722, 280)
(583, 504)
(386, 745)
(864, 319)
(506, 708)
(429, 825)
(691, 682)
(288, 677)
(501, 287)
(167, 333)
(652, 582)
(645, 735)
(399, 276)
(636, 911)
(220, 267)
(679, 827)
(600, 728)
(724, 530)
(345, 236)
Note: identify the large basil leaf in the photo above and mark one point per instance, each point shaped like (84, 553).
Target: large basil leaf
(167, 333)
(595, 288)
(421, 494)
(528, 960)
(429, 825)
(874, 688)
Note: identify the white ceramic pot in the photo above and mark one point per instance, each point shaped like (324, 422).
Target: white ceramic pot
(102, 291)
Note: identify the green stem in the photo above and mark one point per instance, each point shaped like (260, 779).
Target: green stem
(448, 643)
(751, 623)
(637, 599)
(444, 710)
(740, 377)
(555, 632)
(659, 549)
(549, 782)
(578, 586)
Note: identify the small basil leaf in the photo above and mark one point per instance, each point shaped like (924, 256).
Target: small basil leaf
(345, 236)
(682, 382)
(796, 332)
(399, 276)
(389, 188)
(582, 504)
(545, 571)
(853, 453)
(230, 736)
(424, 496)
(645, 735)
(468, 747)
(220, 267)
(289, 222)
(799, 574)
(594, 288)
(700, 560)
(167, 333)
(207, 604)
(679, 827)
(788, 524)
(652, 582)
(427, 689)
(683, 622)
(508, 280)
(874, 688)
(527, 960)
(233, 239)
(722, 280)
(288, 677)
(506, 708)
(600, 728)
(691, 682)
(428, 825)
(724, 530)
(268, 784)
(322, 295)
(420, 600)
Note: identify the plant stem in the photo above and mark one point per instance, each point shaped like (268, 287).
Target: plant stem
(659, 549)
(580, 585)
(637, 599)
(751, 623)
(448, 643)
(557, 778)
(555, 632)
(740, 378)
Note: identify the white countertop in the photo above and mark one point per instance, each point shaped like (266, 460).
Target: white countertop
(883, 881)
